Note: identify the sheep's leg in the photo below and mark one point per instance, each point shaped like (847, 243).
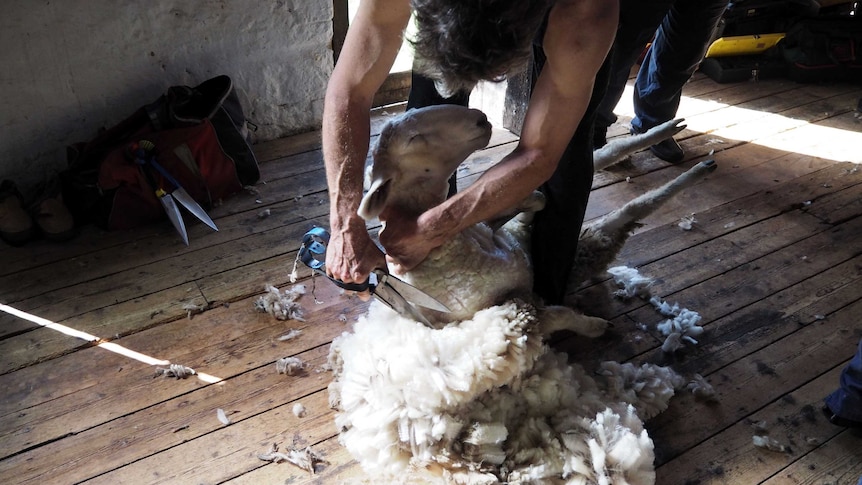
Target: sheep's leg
(601, 240)
(555, 318)
(620, 148)
(524, 211)
(647, 203)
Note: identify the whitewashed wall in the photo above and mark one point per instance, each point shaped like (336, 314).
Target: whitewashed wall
(69, 67)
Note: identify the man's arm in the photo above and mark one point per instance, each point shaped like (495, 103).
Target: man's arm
(372, 42)
(578, 37)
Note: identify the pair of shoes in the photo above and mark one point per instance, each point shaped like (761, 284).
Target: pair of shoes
(16, 226)
(838, 420)
(667, 150)
(21, 222)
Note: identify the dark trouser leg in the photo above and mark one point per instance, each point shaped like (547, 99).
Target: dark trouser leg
(556, 228)
(422, 94)
(638, 22)
(679, 46)
(846, 401)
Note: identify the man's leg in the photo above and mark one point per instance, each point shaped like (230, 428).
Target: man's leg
(638, 22)
(422, 94)
(846, 401)
(680, 43)
(556, 228)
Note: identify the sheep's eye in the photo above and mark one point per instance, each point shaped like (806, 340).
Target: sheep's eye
(416, 139)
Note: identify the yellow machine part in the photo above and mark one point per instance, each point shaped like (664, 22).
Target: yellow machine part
(743, 45)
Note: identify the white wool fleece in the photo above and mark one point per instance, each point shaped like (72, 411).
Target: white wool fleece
(397, 382)
(486, 399)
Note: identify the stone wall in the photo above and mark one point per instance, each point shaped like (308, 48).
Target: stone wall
(68, 68)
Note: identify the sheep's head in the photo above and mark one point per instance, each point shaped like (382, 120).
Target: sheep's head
(415, 155)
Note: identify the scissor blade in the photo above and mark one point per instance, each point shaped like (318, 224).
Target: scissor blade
(415, 295)
(395, 301)
(189, 203)
(174, 215)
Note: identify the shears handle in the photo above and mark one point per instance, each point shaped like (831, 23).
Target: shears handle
(312, 253)
(144, 153)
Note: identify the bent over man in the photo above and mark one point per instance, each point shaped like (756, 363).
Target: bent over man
(458, 44)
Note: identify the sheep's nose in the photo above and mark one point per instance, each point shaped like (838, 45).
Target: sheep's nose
(482, 121)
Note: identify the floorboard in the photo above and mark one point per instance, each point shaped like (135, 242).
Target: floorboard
(772, 263)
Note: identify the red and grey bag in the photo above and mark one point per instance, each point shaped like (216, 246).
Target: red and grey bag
(824, 48)
(200, 137)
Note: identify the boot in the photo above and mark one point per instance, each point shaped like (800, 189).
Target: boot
(667, 150)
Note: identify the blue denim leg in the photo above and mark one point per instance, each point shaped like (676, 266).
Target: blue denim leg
(846, 401)
(639, 20)
(677, 50)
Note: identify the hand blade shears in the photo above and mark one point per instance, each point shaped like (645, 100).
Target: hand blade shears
(393, 292)
(143, 153)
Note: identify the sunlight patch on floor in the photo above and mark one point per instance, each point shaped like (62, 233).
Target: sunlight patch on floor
(763, 128)
(101, 343)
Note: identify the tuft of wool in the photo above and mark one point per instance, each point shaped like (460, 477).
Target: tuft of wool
(768, 443)
(222, 416)
(682, 327)
(292, 334)
(648, 388)
(701, 389)
(299, 410)
(307, 458)
(289, 365)
(175, 370)
(631, 281)
(282, 306)
(687, 222)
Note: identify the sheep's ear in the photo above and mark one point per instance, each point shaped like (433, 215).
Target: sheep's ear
(375, 199)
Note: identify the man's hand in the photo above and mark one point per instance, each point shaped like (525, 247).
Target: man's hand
(405, 242)
(351, 256)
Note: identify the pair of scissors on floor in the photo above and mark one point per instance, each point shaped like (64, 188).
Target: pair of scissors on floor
(393, 292)
(144, 155)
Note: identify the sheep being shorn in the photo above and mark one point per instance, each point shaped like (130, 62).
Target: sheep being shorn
(482, 398)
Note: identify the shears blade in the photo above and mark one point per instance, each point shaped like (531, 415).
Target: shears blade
(189, 203)
(397, 302)
(174, 215)
(415, 295)
(143, 153)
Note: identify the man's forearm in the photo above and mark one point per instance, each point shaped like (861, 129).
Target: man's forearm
(345, 134)
(499, 189)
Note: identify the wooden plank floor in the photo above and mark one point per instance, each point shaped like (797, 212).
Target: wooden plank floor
(773, 264)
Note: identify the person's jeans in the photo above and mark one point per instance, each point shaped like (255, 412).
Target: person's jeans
(680, 43)
(639, 20)
(683, 30)
(846, 401)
